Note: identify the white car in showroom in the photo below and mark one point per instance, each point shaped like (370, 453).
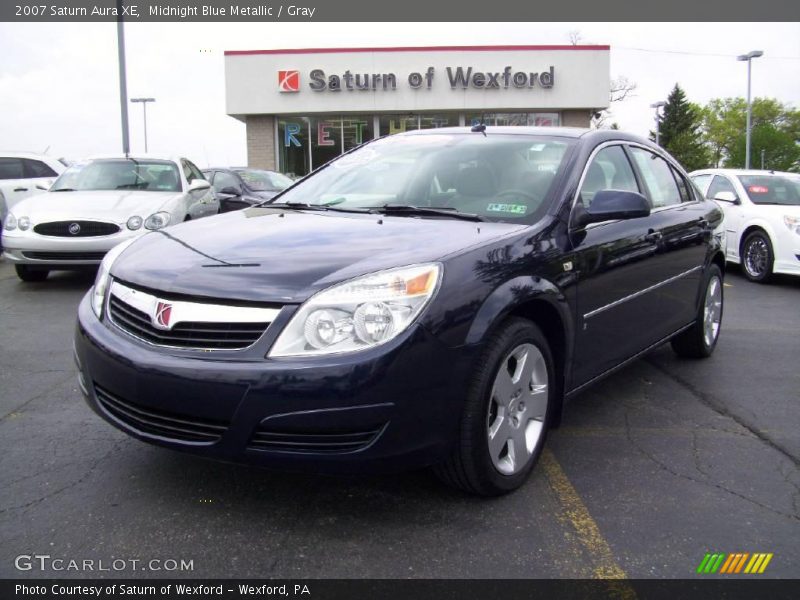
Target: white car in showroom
(762, 218)
(96, 204)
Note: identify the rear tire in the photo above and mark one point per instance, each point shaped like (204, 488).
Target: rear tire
(31, 274)
(757, 257)
(701, 338)
(506, 413)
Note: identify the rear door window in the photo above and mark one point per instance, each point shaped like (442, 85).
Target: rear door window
(36, 168)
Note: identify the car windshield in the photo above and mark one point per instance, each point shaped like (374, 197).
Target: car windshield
(771, 189)
(120, 174)
(264, 181)
(498, 177)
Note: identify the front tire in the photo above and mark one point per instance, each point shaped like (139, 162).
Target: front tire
(701, 338)
(506, 413)
(757, 257)
(31, 274)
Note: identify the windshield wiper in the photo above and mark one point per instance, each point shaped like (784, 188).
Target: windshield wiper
(305, 206)
(63, 190)
(429, 211)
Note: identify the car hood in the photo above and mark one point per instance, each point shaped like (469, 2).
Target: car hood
(98, 205)
(265, 255)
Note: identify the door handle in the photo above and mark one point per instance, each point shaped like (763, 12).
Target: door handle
(20, 189)
(653, 236)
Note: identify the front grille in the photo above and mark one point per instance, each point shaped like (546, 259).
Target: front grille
(155, 422)
(98, 256)
(197, 334)
(328, 442)
(87, 228)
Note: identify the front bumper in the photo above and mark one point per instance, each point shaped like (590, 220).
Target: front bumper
(54, 251)
(390, 408)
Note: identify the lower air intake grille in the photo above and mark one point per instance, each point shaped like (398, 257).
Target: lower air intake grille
(317, 442)
(98, 256)
(164, 424)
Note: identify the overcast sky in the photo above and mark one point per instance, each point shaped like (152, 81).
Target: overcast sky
(59, 85)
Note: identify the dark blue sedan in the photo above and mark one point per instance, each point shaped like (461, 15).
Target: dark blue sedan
(430, 298)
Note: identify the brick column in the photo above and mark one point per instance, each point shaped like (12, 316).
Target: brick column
(261, 142)
(576, 118)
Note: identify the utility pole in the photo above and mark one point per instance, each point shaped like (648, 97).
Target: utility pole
(749, 59)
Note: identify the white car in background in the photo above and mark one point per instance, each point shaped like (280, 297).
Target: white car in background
(24, 174)
(762, 218)
(96, 204)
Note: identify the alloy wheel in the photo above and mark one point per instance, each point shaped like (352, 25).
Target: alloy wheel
(517, 408)
(756, 255)
(712, 314)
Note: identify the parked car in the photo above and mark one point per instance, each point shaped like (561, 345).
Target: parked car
(24, 174)
(240, 187)
(374, 322)
(762, 218)
(96, 204)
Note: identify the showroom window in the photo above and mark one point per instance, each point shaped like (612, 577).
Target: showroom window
(306, 143)
(505, 119)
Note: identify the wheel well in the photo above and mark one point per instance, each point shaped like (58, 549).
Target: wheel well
(747, 232)
(547, 318)
(719, 260)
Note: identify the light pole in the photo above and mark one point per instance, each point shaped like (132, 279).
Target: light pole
(657, 105)
(144, 102)
(749, 58)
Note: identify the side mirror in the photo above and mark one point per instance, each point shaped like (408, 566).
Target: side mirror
(199, 184)
(727, 197)
(608, 205)
(231, 191)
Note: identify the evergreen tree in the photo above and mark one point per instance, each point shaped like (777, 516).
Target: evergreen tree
(679, 131)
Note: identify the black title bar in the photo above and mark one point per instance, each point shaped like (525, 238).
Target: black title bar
(407, 10)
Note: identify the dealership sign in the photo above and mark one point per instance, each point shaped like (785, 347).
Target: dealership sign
(458, 78)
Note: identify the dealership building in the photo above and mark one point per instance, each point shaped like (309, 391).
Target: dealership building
(303, 107)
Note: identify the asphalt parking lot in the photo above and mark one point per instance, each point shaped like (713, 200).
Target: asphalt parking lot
(657, 465)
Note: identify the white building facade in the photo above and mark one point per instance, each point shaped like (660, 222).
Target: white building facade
(303, 107)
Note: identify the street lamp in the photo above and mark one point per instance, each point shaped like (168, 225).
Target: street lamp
(144, 102)
(749, 58)
(657, 105)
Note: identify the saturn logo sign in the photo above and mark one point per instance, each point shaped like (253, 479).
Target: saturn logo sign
(289, 81)
(162, 314)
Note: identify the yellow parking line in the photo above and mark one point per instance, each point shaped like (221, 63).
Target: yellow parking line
(605, 566)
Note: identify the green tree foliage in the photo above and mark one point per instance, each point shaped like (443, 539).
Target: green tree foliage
(775, 129)
(680, 131)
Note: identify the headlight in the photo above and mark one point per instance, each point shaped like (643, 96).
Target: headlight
(157, 220)
(24, 223)
(101, 281)
(358, 314)
(134, 223)
(792, 223)
(10, 222)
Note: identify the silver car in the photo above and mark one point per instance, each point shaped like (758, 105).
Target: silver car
(96, 204)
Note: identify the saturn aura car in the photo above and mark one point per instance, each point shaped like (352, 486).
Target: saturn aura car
(762, 218)
(430, 298)
(95, 205)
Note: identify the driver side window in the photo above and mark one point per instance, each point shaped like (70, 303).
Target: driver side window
(609, 170)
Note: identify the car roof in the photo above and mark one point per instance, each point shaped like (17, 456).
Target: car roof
(18, 154)
(590, 136)
(721, 171)
(239, 169)
(176, 159)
